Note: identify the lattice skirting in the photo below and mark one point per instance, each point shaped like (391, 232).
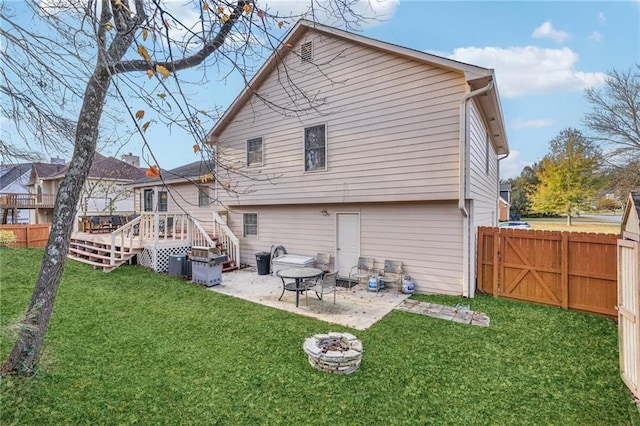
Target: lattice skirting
(167, 249)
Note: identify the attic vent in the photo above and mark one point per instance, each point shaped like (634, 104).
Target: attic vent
(306, 52)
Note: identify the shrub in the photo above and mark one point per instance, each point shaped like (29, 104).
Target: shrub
(7, 238)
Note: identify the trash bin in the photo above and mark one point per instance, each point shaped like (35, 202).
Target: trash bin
(262, 261)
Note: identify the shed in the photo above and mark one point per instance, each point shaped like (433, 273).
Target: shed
(628, 294)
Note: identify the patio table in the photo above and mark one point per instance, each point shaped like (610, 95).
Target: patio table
(298, 274)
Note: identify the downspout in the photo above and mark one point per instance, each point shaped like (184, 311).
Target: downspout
(466, 278)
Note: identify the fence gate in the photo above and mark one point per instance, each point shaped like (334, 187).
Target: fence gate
(571, 270)
(629, 313)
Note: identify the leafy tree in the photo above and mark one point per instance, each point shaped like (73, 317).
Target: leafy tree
(568, 175)
(83, 58)
(521, 188)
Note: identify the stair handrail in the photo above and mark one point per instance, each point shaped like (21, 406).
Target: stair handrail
(200, 238)
(227, 238)
(125, 232)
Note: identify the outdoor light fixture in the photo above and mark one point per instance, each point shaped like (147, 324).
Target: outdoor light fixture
(324, 212)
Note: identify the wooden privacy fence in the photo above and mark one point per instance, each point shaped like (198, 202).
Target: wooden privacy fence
(29, 236)
(568, 269)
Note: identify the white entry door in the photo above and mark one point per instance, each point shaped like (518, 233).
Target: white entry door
(347, 242)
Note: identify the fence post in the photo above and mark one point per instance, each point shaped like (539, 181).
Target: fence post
(496, 257)
(28, 237)
(564, 269)
(480, 261)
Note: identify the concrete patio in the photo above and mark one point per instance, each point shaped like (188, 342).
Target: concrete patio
(356, 307)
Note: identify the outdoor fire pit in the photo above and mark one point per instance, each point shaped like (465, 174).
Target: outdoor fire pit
(339, 353)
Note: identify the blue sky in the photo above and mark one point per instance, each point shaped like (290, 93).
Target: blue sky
(545, 53)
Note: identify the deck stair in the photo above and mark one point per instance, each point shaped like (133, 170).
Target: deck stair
(98, 253)
(229, 265)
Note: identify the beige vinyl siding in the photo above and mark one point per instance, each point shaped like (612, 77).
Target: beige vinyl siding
(392, 131)
(183, 198)
(426, 237)
(483, 187)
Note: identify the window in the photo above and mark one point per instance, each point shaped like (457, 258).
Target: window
(203, 196)
(250, 224)
(315, 148)
(148, 200)
(163, 201)
(254, 152)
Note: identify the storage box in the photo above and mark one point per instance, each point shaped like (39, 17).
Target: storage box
(291, 261)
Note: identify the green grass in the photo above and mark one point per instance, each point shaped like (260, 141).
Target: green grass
(133, 346)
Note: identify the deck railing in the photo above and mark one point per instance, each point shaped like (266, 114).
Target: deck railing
(125, 234)
(227, 238)
(161, 227)
(11, 200)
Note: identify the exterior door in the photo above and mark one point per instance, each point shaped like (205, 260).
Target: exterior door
(347, 242)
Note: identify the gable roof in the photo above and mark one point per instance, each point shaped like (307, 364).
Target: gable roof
(188, 172)
(477, 77)
(105, 168)
(11, 174)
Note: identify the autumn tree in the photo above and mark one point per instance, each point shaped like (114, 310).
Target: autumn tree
(568, 175)
(521, 189)
(87, 57)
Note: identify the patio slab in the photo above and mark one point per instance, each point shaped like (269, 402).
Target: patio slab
(356, 307)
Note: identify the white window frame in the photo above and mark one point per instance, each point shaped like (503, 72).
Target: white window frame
(256, 164)
(203, 194)
(306, 157)
(245, 234)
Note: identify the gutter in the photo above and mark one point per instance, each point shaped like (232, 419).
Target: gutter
(466, 278)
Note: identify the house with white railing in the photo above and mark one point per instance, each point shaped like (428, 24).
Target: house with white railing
(173, 213)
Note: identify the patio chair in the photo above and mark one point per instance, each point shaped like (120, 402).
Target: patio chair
(393, 273)
(363, 269)
(323, 261)
(325, 285)
(116, 222)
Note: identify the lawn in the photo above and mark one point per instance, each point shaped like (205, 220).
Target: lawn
(133, 346)
(579, 224)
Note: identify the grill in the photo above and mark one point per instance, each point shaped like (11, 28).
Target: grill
(206, 265)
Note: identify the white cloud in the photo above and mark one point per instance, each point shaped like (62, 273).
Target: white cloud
(596, 36)
(519, 123)
(531, 70)
(546, 30)
(601, 18)
(512, 166)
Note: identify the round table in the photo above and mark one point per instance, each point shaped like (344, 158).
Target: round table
(298, 274)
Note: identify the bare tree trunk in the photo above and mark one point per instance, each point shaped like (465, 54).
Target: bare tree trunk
(24, 355)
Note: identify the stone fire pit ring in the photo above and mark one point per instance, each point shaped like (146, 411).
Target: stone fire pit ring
(338, 353)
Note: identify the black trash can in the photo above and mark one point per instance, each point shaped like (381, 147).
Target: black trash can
(263, 259)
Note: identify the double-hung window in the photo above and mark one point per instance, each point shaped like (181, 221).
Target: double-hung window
(203, 195)
(250, 224)
(254, 152)
(163, 201)
(315, 148)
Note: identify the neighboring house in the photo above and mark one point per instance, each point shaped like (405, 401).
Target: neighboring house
(399, 159)
(104, 192)
(17, 204)
(505, 202)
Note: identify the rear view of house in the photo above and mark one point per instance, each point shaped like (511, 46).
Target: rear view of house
(395, 156)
